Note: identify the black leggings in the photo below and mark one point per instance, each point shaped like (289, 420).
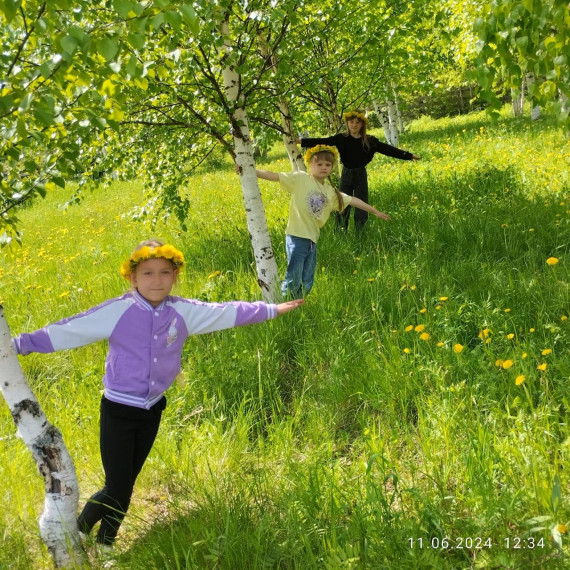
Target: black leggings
(127, 436)
(354, 182)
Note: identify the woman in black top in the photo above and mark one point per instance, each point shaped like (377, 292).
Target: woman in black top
(356, 150)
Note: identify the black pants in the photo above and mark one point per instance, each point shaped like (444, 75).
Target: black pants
(354, 182)
(127, 436)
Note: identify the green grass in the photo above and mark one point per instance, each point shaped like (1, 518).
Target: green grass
(331, 437)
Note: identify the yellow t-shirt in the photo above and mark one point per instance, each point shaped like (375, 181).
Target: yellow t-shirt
(311, 204)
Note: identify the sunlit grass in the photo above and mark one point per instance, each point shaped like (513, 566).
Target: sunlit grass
(422, 392)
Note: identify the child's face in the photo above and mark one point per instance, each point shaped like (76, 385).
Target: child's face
(320, 168)
(154, 279)
(354, 125)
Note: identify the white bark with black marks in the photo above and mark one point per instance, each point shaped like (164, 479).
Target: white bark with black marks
(267, 274)
(58, 521)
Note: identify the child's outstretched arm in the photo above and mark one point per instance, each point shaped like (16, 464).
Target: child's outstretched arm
(283, 308)
(267, 175)
(358, 203)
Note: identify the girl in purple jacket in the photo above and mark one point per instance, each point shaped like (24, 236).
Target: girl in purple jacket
(146, 329)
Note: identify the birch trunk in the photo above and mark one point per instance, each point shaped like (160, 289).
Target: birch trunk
(564, 102)
(385, 122)
(392, 122)
(267, 275)
(400, 122)
(288, 136)
(535, 111)
(516, 98)
(58, 521)
(295, 155)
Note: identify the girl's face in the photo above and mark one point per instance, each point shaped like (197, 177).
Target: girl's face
(320, 168)
(354, 126)
(154, 279)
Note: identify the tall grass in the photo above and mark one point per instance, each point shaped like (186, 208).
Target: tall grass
(340, 436)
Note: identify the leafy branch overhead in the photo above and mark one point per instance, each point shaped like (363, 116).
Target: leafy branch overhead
(136, 88)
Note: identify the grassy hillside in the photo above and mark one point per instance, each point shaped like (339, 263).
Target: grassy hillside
(414, 414)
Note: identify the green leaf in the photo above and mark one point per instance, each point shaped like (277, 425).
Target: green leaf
(556, 497)
(69, 44)
(125, 7)
(174, 19)
(10, 8)
(25, 103)
(108, 47)
(136, 40)
(190, 17)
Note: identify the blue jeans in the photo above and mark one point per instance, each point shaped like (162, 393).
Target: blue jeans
(301, 267)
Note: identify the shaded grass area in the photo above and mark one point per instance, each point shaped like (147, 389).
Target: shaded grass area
(338, 436)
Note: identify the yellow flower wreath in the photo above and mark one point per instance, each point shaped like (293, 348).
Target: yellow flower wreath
(355, 115)
(320, 148)
(165, 251)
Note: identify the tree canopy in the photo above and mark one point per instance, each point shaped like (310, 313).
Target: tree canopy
(136, 87)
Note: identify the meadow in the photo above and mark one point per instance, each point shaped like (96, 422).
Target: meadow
(412, 415)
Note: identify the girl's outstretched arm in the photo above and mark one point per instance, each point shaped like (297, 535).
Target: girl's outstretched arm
(358, 203)
(283, 308)
(268, 175)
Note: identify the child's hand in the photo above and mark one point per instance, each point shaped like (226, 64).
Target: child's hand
(416, 157)
(283, 308)
(382, 215)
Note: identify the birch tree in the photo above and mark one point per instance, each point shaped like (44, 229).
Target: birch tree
(58, 521)
(518, 38)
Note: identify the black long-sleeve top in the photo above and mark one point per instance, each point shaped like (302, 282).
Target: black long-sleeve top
(353, 153)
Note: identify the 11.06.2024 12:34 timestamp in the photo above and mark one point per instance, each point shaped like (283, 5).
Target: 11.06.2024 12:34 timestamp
(475, 542)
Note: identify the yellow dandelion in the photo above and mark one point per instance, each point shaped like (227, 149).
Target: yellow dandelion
(507, 364)
(409, 328)
(562, 528)
(531, 330)
(355, 272)
(519, 379)
(552, 261)
(443, 298)
(484, 333)
(457, 348)
(438, 308)
(423, 310)
(510, 336)
(64, 294)
(541, 366)
(215, 274)
(425, 336)
(413, 287)
(524, 355)
(419, 328)
(407, 350)
(546, 351)
(440, 344)
(507, 310)
(370, 279)
(498, 362)
(563, 318)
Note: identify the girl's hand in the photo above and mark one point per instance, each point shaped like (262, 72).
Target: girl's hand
(382, 215)
(283, 308)
(416, 157)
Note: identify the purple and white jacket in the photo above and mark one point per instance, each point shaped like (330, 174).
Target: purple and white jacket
(145, 342)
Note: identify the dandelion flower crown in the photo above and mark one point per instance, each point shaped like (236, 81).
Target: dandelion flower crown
(165, 251)
(320, 148)
(355, 115)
